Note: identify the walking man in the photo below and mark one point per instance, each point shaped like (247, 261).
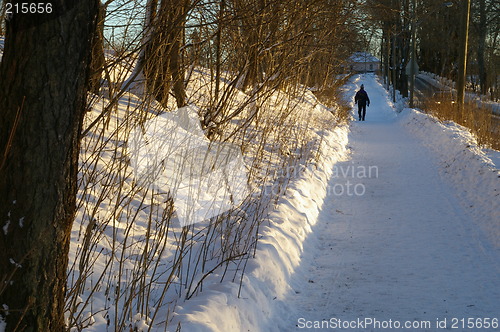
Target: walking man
(362, 100)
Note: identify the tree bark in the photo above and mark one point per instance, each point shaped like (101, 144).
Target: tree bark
(43, 84)
(163, 60)
(2, 18)
(98, 58)
(177, 69)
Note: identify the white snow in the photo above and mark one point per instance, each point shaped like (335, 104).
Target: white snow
(417, 247)
(396, 220)
(267, 277)
(123, 237)
(410, 250)
(170, 154)
(473, 173)
(6, 227)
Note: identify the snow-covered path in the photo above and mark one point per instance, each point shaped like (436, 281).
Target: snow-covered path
(392, 243)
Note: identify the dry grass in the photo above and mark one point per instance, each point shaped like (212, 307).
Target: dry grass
(332, 98)
(479, 120)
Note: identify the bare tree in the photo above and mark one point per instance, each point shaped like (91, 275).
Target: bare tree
(393, 19)
(98, 59)
(163, 66)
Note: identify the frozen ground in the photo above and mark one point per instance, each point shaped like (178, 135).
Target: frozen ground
(404, 247)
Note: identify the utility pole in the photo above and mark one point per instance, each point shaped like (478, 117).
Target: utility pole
(462, 65)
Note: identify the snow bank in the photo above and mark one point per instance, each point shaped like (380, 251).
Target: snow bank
(260, 305)
(436, 81)
(473, 172)
(443, 83)
(171, 154)
(267, 276)
(125, 235)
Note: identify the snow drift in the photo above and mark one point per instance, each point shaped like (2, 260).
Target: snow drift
(473, 172)
(170, 154)
(226, 307)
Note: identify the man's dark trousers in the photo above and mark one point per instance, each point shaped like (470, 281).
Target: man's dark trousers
(361, 111)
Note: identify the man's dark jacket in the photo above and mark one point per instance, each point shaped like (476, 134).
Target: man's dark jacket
(362, 98)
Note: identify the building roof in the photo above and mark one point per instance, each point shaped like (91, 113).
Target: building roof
(363, 57)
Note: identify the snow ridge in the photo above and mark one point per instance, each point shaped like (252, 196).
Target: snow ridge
(471, 170)
(267, 277)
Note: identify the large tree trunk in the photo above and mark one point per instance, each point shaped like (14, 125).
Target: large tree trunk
(177, 69)
(163, 60)
(43, 83)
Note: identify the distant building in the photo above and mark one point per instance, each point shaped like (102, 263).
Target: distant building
(363, 62)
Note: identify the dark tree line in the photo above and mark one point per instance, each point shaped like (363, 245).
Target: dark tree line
(438, 38)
